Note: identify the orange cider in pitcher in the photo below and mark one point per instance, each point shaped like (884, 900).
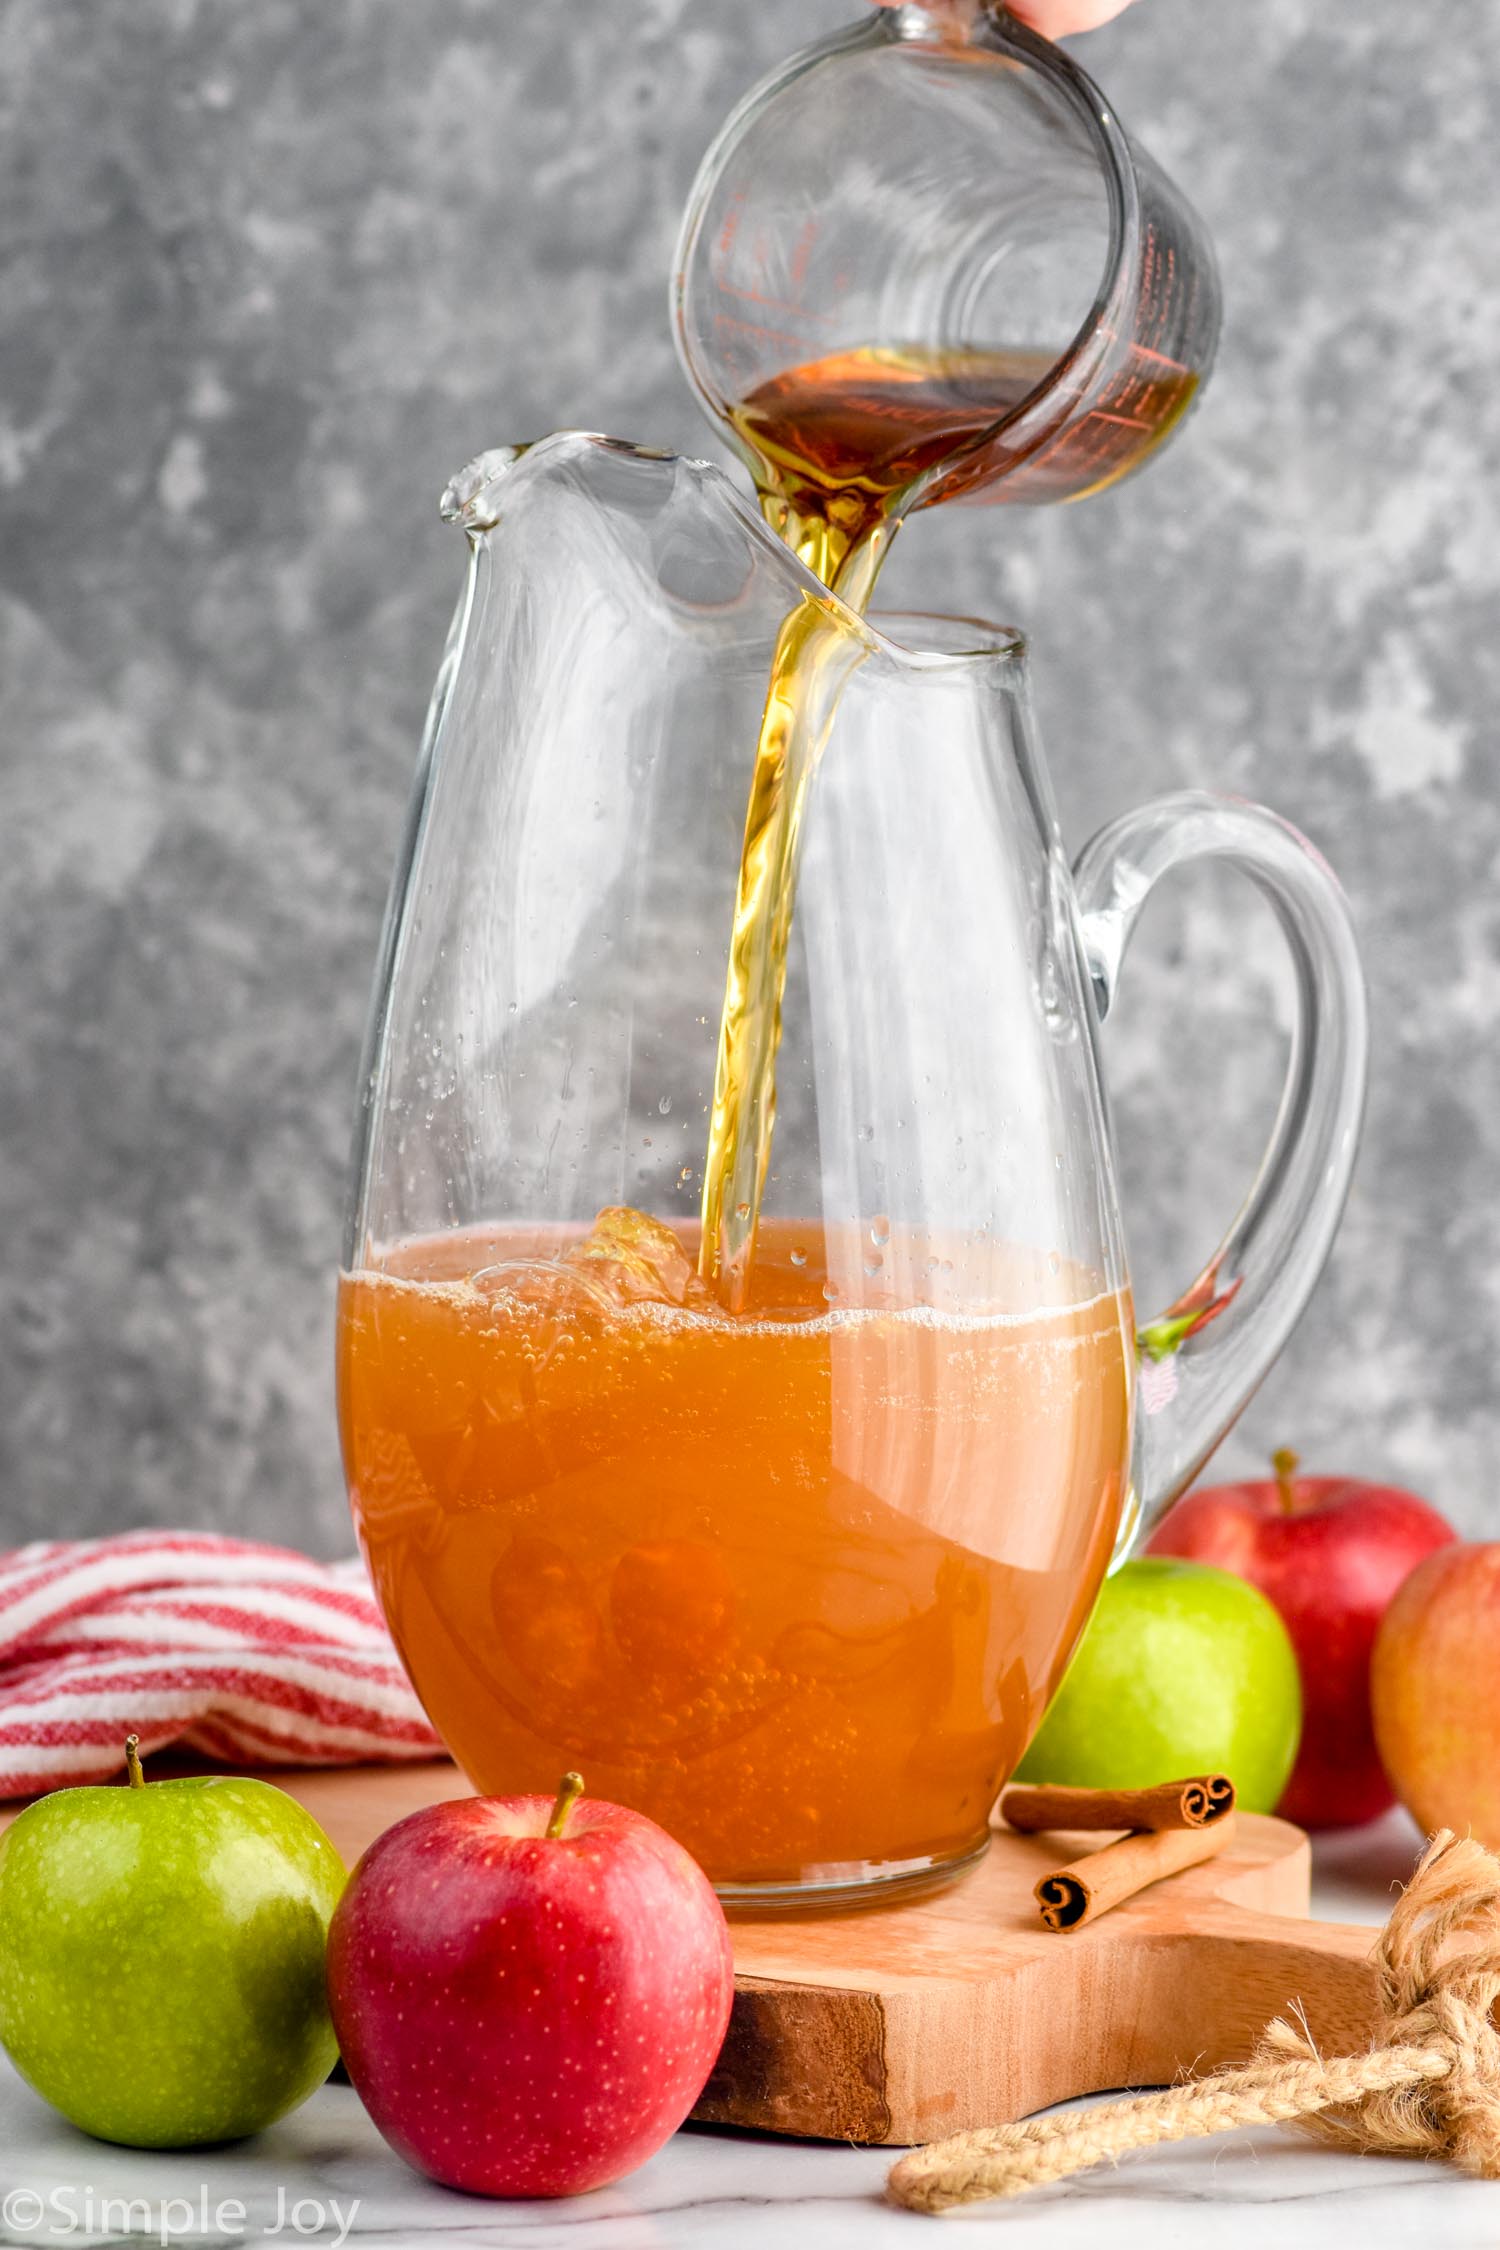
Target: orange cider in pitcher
(796, 1579)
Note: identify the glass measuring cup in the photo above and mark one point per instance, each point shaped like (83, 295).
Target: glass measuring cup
(924, 261)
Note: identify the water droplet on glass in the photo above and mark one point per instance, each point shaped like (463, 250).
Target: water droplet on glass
(742, 1210)
(830, 1292)
(799, 1259)
(880, 1232)
(873, 1266)
(665, 1105)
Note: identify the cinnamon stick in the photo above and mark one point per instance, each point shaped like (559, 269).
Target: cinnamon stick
(1194, 1803)
(1105, 1878)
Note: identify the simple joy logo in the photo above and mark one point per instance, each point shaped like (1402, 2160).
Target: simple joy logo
(43, 2214)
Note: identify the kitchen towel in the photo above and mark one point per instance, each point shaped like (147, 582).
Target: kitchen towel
(248, 1654)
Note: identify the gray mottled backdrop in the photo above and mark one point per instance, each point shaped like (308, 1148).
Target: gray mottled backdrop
(270, 271)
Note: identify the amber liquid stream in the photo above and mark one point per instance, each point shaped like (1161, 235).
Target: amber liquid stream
(843, 448)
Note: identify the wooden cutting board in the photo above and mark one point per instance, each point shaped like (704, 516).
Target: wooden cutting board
(902, 2023)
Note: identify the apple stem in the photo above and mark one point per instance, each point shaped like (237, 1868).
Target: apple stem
(133, 1761)
(569, 1790)
(1286, 1464)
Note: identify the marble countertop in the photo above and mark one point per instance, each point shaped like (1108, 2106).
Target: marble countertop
(325, 2177)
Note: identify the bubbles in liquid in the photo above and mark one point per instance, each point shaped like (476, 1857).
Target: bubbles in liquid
(672, 1604)
(546, 1616)
(794, 1639)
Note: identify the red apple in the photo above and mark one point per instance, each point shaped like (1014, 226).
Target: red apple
(1435, 1688)
(1330, 1552)
(528, 1996)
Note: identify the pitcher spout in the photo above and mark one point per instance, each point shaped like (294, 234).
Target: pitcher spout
(472, 498)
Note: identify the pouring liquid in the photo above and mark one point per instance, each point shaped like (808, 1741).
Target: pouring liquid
(842, 449)
(793, 1572)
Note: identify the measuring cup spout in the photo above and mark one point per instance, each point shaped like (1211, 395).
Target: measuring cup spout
(941, 19)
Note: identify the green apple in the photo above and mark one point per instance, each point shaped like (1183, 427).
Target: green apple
(1183, 1670)
(162, 1956)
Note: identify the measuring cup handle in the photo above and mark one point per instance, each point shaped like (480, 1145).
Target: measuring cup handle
(1201, 1360)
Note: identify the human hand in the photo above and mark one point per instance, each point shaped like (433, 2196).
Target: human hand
(1055, 19)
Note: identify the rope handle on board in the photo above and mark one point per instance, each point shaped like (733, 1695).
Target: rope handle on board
(1429, 2085)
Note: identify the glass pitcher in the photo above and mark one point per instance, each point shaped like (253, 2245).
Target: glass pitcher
(795, 1575)
(923, 262)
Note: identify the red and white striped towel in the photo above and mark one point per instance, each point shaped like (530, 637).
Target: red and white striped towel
(245, 1653)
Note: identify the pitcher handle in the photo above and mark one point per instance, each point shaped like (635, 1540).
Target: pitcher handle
(1202, 1359)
